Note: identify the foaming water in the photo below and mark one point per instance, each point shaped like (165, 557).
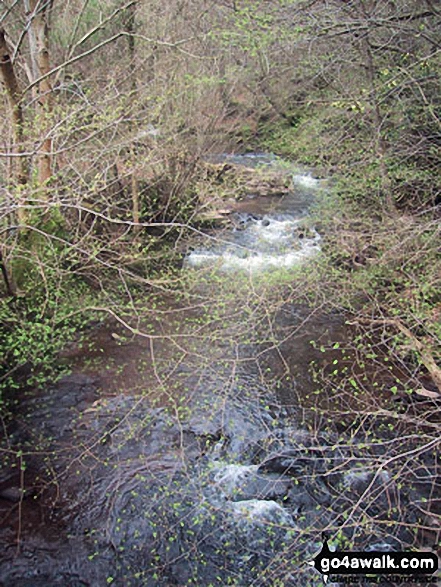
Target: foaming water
(233, 483)
(257, 262)
(252, 160)
(266, 233)
(229, 477)
(306, 181)
(274, 231)
(270, 242)
(261, 511)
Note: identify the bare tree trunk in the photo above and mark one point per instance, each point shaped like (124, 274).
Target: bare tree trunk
(131, 28)
(39, 44)
(135, 200)
(19, 162)
(45, 101)
(7, 278)
(377, 118)
(12, 88)
(380, 146)
(32, 38)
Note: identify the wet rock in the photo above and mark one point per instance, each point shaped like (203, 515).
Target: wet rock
(295, 463)
(241, 220)
(384, 546)
(360, 481)
(300, 500)
(304, 232)
(284, 465)
(13, 494)
(77, 380)
(267, 487)
(240, 426)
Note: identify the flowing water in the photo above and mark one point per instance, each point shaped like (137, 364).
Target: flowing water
(259, 244)
(268, 232)
(195, 458)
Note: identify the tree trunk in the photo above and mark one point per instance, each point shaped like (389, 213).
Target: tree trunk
(37, 12)
(19, 163)
(7, 278)
(377, 118)
(386, 187)
(130, 29)
(135, 199)
(45, 102)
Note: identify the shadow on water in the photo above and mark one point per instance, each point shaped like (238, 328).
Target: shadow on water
(201, 453)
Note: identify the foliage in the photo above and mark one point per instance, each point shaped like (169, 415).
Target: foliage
(383, 272)
(35, 328)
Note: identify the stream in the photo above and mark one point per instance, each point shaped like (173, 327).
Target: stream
(201, 454)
